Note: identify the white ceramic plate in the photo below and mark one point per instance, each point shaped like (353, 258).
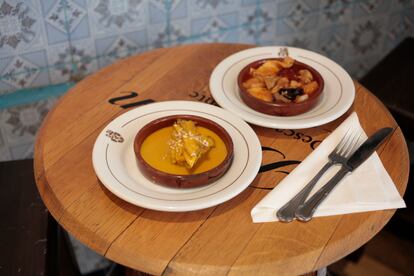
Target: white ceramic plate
(115, 164)
(337, 96)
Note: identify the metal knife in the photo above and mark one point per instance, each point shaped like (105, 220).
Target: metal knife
(306, 210)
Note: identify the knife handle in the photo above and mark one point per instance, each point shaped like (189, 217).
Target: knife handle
(306, 210)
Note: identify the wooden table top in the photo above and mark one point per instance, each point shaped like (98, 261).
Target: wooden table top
(218, 240)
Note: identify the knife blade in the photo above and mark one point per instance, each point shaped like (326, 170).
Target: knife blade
(308, 208)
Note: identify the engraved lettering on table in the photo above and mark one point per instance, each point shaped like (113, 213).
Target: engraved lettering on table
(275, 166)
(314, 144)
(203, 95)
(297, 135)
(129, 95)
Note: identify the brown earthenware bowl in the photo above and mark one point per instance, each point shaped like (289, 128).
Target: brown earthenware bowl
(182, 181)
(279, 108)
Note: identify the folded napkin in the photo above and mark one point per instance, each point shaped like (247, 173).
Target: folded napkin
(368, 188)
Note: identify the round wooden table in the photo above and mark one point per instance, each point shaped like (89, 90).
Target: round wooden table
(214, 241)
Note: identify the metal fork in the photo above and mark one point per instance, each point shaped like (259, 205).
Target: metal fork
(339, 155)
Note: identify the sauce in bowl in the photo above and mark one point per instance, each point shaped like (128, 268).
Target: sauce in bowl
(201, 157)
(155, 151)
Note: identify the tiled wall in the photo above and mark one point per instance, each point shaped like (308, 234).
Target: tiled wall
(45, 42)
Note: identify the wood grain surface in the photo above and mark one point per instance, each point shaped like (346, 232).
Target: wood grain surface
(215, 241)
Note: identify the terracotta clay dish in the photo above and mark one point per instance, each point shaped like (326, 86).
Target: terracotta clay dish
(152, 147)
(272, 102)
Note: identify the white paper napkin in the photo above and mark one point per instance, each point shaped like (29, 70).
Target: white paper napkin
(368, 188)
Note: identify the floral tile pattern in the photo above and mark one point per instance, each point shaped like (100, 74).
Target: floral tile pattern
(23, 71)
(116, 16)
(168, 35)
(28, 72)
(201, 8)
(372, 7)
(332, 41)
(59, 58)
(366, 37)
(109, 49)
(295, 16)
(53, 17)
(65, 16)
(80, 36)
(19, 126)
(77, 60)
(166, 10)
(335, 11)
(14, 30)
(117, 13)
(20, 27)
(216, 28)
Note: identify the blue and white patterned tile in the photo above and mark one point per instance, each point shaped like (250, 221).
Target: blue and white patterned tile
(110, 49)
(157, 12)
(83, 58)
(168, 35)
(177, 9)
(370, 8)
(20, 27)
(256, 2)
(258, 23)
(304, 40)
(335, 12)
(219, 28)
(264, 33)
(22, 151)
(400, 26)
(25, 70)
(332, 41)
(18, 128)
(60, 62)
(78, 20)
(5, 154)
(109, 17)
(296, 16)
(54, 23)
(264, 21)
(366, 37)
(5, 88)
(212, 7)
(166, 10)
(72, 61)
(401, 5)
(245, 3)
(65, 20)
(247, 35)
(20, 124)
